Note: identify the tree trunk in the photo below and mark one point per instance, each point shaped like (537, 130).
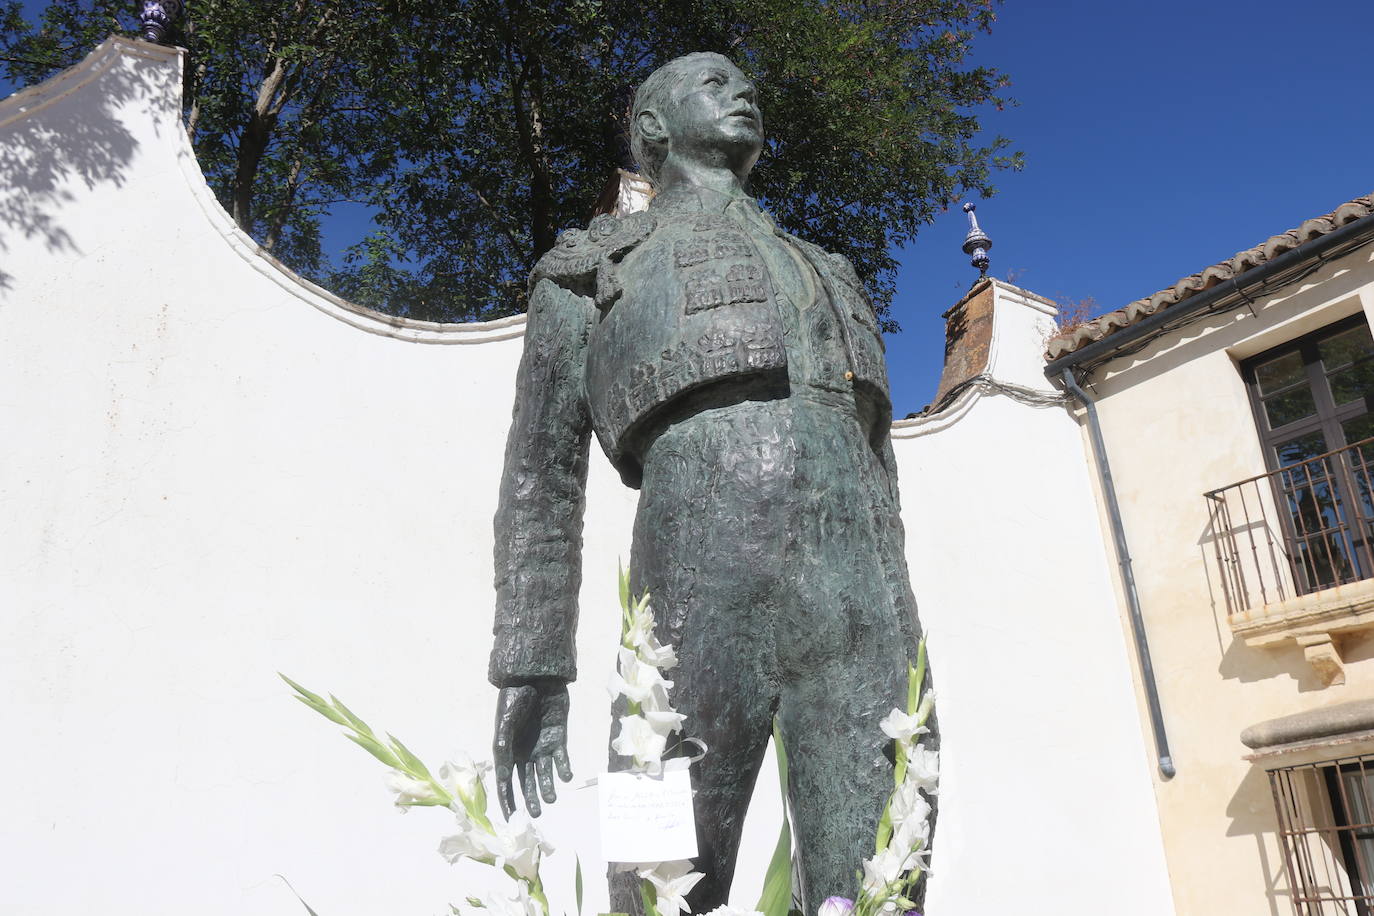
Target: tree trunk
(257, 134)
(529, 129)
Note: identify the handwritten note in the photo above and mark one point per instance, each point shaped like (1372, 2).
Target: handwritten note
(647, 818)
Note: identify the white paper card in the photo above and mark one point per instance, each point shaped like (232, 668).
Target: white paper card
(647, 818)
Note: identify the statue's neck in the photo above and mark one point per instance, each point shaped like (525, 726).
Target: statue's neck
(723, 181)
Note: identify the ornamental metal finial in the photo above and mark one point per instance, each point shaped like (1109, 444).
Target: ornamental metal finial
(157, 17)
(976, 243)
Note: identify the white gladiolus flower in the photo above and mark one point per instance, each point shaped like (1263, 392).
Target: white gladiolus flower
(912, 831)
(409, 791)
(641, 626)
(640, 740)
(907, 803)
(927, 704)
(726, 910)
(638, 682)
(469, 843)
(516, 844)
(464, 775)
(923, 769)
(520, 846)
(672, 881)
(881, 871)
(902, 727)
(651, 652)
(517, 902)
(665, 722)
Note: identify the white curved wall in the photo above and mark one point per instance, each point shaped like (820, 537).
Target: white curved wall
(215, 472)
(1046, 800)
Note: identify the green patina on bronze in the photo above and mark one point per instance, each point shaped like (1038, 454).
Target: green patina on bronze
(734, 373)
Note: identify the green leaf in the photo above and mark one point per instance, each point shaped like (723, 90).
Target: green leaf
(624, 589)
(357, 723)
(776, 898)
(412, 763)
(577, 883)
(314, 701)
(373, 747)
(316, 698)
(298, 896)
(649, 896)
(884, 828)
(915, 675)
(325, 711)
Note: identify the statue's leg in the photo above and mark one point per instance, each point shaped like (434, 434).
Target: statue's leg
(707, 535)
(845, 663)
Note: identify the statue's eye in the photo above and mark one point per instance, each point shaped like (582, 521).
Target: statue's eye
(715, 79)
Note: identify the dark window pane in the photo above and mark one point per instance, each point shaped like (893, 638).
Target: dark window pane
(1279, 373)
(1300, 449)
(1362, 427)
(1360, 460)
(1353, 382)
(1293, 405)
(1344, 348)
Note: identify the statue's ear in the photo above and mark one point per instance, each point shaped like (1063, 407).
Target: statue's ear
(651, 126)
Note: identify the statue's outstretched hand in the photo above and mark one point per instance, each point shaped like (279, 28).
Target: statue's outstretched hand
(531, 738)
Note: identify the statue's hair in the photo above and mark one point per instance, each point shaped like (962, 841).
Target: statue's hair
(655, 93)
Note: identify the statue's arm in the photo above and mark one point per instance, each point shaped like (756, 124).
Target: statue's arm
(539, 548)
(543, 496)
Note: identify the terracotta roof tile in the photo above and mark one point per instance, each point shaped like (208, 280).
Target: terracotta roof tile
(1250, 258)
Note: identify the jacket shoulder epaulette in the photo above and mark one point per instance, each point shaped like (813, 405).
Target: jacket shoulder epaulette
(583, 255)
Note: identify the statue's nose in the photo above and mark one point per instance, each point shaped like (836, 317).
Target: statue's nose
(745, 90)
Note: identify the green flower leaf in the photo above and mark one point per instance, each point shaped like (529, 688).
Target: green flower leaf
(776, 898)
(577, 884)
(412, 763)
(373, 747)
(353, 720)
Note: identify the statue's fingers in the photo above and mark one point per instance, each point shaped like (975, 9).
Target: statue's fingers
(544, 765)
(560, 759)
(504, 792)
(512, 708)
(529, 784)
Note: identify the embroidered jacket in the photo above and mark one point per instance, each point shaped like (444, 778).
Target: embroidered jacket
(627, 317)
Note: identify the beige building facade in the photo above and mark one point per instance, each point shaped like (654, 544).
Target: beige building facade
(1235, 413)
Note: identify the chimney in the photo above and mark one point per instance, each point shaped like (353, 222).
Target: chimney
(994, 335)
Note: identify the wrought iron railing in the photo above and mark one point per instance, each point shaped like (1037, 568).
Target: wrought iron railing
(1297, 530)
(1326, 827)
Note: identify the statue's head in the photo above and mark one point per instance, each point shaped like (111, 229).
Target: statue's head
(700, 107)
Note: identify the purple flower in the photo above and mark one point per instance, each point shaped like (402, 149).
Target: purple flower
(836, 906)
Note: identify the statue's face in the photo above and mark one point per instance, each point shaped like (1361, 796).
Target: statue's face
(713, 114)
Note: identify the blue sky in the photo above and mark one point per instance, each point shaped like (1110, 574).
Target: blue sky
(1159, 138)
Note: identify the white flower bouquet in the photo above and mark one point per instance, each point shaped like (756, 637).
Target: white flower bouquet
(886, 881)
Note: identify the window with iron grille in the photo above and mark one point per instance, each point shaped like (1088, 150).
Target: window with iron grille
(1312, 406)
(1326, 826)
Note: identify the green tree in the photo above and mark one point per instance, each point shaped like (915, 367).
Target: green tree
(474, 131)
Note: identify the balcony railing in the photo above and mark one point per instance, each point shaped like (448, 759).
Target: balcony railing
(1297, 530)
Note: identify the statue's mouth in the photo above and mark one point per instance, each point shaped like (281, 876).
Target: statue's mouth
(746, 114)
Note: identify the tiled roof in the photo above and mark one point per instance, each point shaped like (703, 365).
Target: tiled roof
(1189, 286)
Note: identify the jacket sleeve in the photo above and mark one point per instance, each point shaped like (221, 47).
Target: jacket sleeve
(543, 495)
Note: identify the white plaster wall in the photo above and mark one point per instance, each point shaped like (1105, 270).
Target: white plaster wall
(1046, 803)
(215, 472)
